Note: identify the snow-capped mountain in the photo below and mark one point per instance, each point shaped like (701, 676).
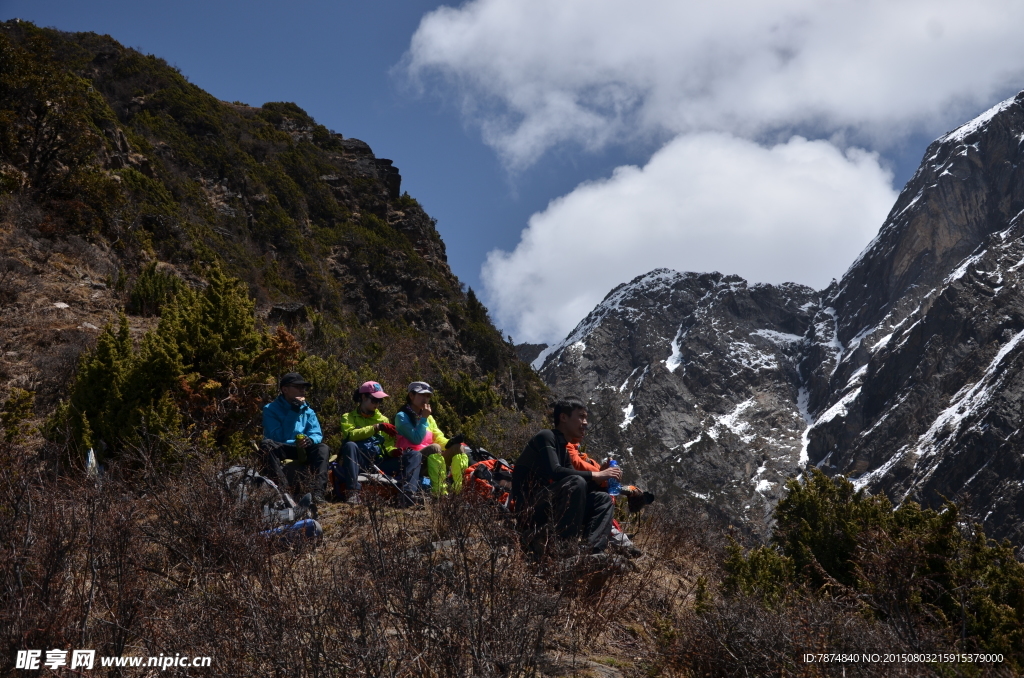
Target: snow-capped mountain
(907, 375)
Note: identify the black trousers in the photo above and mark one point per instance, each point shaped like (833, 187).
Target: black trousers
(317, 458)
(575, 512)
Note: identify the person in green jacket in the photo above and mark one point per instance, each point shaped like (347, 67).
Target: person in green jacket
(370, 442)
(417, 431)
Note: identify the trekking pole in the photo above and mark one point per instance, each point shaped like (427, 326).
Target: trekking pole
(397, 484)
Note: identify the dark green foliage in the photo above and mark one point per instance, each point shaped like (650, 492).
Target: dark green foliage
(909, 567)
(151, 290)
(275, 112)
(14, 415)
(202, 373)
(479, 336)
(50, 134)
(464, 403)
(763, 572)
(407, 202)
(819, 523)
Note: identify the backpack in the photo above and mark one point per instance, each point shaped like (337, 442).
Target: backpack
(276, 507)
(485, 478)
(480, 454)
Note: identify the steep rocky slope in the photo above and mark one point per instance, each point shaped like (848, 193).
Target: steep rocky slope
(923, 396)
(905, 375)
(695, 377)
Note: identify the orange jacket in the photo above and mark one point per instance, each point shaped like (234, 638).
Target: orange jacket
(581, 462)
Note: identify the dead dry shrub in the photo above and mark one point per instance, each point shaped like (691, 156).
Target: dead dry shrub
(634, 618)
(71, 564)
(459, 597)
(199, 528)
(146, 562)
(740, 636)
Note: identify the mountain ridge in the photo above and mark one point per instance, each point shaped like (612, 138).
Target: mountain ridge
(114, 167)
(924, 320)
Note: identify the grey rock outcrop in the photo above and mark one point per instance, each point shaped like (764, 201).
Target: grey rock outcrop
(695, 378)
(907, 375)
(529, 352)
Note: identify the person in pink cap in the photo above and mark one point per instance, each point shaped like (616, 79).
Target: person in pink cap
(369, 441)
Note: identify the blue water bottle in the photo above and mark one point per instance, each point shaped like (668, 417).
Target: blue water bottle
(614, 486)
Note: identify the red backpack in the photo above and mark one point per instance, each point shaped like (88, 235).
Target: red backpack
(490, 479)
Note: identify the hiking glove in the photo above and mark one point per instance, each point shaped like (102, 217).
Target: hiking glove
(389, 429)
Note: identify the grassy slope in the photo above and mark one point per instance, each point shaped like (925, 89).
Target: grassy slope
(111, 160)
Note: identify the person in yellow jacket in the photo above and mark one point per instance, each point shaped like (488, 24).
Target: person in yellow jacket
(417, 431)
(370, 441)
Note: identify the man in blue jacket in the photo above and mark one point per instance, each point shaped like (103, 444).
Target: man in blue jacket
(292, 431)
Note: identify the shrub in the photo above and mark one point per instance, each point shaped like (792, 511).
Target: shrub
(152, 289)
(203, 372)
(763, 573)
(910, 568)
(49, 132)
(14, 416)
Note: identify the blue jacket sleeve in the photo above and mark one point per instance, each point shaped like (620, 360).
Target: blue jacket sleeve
(405, 428)
(312, 428)
(272, 425)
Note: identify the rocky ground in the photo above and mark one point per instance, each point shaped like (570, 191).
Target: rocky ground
(56, 296)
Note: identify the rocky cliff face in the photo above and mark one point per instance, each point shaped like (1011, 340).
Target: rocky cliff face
(905, 375)
(695, 377)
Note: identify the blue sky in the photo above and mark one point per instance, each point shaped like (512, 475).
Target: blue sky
(584, 142)
(337, 60)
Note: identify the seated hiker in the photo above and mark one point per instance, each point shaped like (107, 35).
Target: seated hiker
(417, 430)
(370, 444)
(291, 431)
(580, 460)
(548, 491)
(490, 479)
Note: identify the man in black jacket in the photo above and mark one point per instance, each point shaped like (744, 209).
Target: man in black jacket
(547, 489)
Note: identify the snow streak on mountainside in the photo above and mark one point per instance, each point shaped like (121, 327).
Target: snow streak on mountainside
(695, 379)
(905, 375)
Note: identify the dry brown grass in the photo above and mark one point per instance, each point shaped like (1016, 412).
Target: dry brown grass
(169, 564)
(164, 564)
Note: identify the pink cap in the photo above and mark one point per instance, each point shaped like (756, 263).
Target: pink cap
(374, 389)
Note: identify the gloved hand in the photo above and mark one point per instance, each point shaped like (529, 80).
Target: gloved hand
(636, 502)
(396, 453)
(389, 429)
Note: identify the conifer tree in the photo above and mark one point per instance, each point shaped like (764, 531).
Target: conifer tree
(202, 372)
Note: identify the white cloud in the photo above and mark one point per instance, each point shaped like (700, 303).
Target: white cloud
(535, 73)
(724, 80)
(704, 202)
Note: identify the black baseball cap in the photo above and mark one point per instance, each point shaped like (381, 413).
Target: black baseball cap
(293, 379)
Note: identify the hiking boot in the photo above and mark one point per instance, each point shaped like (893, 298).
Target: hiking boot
(353, 499)
(308, 504)
(631, 551)
(414, 501)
